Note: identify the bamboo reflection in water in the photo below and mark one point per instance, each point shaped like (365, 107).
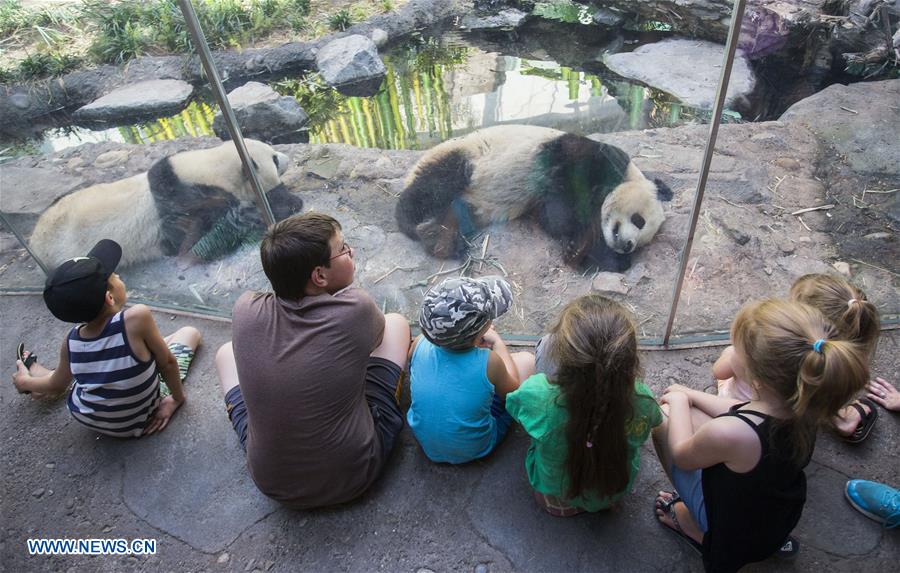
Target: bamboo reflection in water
(193, 121)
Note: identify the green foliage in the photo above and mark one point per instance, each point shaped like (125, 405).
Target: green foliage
(41, 65)
(387, 5)
(340, 20)
(430, 53)
(654, 26)
(131, 27)
(12, 17)
(563, 11)
(319, 100)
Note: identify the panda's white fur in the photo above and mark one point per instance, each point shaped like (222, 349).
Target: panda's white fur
(505, 172)
(127, 212)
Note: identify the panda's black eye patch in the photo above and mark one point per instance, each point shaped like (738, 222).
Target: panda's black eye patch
(616, 229)
(638, 221)
(275, 160)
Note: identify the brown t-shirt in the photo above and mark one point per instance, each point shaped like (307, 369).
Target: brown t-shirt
(301, 364)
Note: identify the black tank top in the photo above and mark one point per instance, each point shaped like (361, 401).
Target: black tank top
(750, 515)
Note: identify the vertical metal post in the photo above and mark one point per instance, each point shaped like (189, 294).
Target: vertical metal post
(193, 24)
(6, 222)
(734, 31)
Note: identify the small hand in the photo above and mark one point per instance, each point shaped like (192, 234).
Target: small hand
(881, 391)
(677, 388)
(20, 378)
(162, 415)
(489, 338)
(673, 398)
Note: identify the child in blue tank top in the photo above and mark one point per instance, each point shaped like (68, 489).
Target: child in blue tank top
(460, 370)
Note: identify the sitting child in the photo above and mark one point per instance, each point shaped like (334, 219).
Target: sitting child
(461, 371)
(588, 419)
(856, 320)
(116, 356)
(738, 466)
(311, 375)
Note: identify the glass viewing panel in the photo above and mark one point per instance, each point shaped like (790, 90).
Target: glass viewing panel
(813, 190)
(581, 79)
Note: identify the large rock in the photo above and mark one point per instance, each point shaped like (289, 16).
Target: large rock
(687, 69)
(507, 19)
(263, 114)
(351, 65)
(859, 122)
(143, 99)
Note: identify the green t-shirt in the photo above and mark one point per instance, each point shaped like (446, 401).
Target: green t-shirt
(538, 406)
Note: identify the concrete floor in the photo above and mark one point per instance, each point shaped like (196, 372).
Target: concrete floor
(188, 489)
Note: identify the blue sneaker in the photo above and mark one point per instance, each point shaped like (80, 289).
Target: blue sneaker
(875, 500)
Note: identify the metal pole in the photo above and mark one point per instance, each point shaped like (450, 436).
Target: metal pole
(193, 24)
(24, 243)
(730, 45)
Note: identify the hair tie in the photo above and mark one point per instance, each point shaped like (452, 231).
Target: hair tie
(589, 444)
(817, 345)
(851, 301)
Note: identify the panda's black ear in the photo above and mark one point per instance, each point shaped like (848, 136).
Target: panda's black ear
(663, 191)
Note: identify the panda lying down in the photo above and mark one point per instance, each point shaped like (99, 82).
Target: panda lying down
(587, 194)
(167, 210)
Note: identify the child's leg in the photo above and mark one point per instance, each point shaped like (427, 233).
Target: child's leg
(183, 344)
(524, 362)
(226, 368)
(395, 342)
(689, 481)
(661, 435)
(231, 390)
(186, 335)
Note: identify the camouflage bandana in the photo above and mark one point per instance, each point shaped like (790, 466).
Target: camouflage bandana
(456, 310)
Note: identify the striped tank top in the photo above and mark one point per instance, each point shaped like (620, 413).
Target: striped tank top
(114, 392)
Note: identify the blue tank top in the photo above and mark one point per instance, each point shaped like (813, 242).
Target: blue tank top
(450, 412)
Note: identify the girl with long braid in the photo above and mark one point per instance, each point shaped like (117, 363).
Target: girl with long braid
(586, 413)
(737, 466)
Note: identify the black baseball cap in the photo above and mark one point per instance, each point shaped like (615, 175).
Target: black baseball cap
(76, 290)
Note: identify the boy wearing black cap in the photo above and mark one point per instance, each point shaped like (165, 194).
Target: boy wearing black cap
(461, 370)
(115, 356)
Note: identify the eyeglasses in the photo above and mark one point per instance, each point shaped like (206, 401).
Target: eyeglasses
(345, 250)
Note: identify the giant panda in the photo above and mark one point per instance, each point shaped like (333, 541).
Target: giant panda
(587, 194)
(166, 210)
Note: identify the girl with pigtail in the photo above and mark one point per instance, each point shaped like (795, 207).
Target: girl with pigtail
(737, 467)
(586, 413)
(854, 318)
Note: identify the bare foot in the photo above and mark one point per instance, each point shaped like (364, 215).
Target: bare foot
(848, 418)
(685, 523)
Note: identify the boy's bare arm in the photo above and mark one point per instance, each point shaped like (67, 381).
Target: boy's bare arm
(53, 383)
(145, 328)
(491, 339)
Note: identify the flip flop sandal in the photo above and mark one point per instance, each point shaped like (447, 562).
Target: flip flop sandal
(866, 421)
(20, 355)
(668, 507)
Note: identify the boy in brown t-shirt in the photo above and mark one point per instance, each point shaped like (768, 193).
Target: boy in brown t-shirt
(311, 374)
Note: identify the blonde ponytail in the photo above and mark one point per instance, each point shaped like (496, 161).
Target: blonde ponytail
(794, 350)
